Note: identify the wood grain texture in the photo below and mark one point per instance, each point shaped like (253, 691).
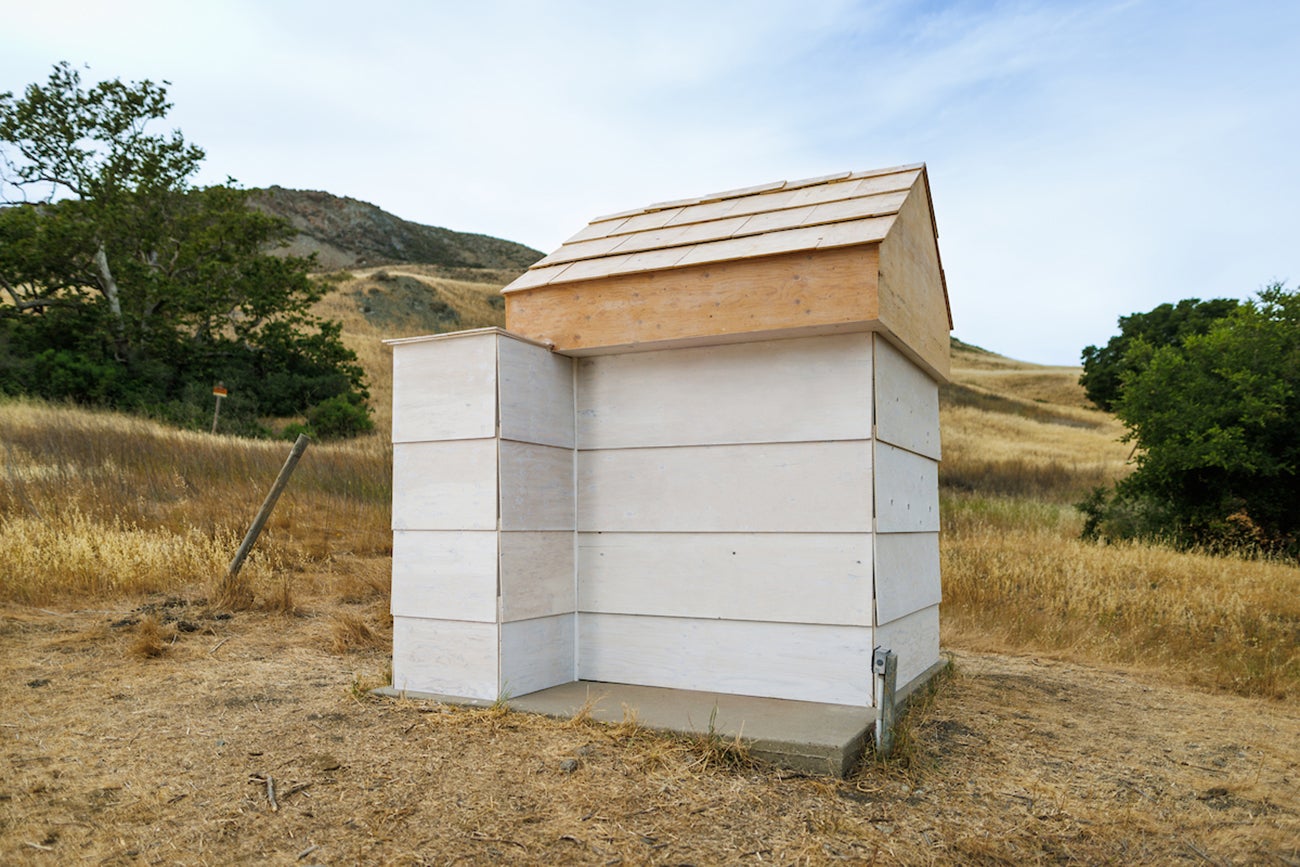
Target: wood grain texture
(907, 491)
(805, 389)
(445, 485)
(537, 574)
(913, 300)
(915, 638)
(907, 402)
(778, 660)
(789, 487)
(536, 394)
(448, 657)
(445, 389)
(743, 297)
(793, 578)
(536, 654)
(907, 574)
(536, 487)
(445, 574)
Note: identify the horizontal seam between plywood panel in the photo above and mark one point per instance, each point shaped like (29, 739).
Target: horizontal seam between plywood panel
(451, 440)
(903, 448)
(446, 620)
(837, 625)
(506, 439)
(568, 613)
(634, 448)
(621, 531)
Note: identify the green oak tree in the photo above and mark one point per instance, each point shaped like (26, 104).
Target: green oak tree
(1217, 423)
(127, 285)
(1105, 367)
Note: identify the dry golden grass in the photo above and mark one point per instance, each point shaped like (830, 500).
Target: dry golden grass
(1017, 576)
(96, 504)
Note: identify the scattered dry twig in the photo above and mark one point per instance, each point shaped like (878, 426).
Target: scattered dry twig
(270, 789)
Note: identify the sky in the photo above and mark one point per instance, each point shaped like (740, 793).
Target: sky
(1087, 160)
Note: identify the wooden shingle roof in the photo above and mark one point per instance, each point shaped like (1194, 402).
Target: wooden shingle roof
(848, 209)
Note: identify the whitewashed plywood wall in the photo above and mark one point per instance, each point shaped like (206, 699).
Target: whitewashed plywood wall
(482, 500)
(907, 587)
(725, 517)
(749, 518)
(538, 513)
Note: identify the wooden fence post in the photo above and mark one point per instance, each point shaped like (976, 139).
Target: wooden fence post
(299, 446)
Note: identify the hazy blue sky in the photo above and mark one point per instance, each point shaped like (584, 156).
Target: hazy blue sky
(1087, 159)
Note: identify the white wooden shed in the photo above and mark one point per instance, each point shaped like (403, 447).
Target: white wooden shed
(703, 455)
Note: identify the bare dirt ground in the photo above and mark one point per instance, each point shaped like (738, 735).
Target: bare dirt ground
(109, 758)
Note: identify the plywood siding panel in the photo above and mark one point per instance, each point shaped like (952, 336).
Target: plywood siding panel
(856, 209)
(794, 578)
(450, 575)
(447, 657)
(907, 574)
(445, 485)
(779, 660)
(647, 221)
(799, 290)
(536, 654)
(445, 389)
(537, 578)
(796, 487)
(907, 491)
(850, 189)
(770, 391)
(751, 246)
(573, 251)
(536, 277)
(913, 299)
(536, 487)
(597, 229)
(907, 402)
(915, 639)
(536, 392)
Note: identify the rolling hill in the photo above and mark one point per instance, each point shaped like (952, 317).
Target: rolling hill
(348, 233)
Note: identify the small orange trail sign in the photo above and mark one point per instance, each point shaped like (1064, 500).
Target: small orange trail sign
(220, 391)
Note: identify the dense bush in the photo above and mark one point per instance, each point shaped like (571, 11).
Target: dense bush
(1105, 368)
(1217, 423)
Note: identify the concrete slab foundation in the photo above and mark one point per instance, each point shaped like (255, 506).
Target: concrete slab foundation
(801, 735)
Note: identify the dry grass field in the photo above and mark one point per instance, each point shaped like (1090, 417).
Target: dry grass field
(1017, 577)
(1109, 704)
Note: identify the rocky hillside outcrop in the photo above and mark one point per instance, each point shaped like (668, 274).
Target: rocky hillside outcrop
(347, 233)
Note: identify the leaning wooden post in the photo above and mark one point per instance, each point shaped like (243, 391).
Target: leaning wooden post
(299, 446)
